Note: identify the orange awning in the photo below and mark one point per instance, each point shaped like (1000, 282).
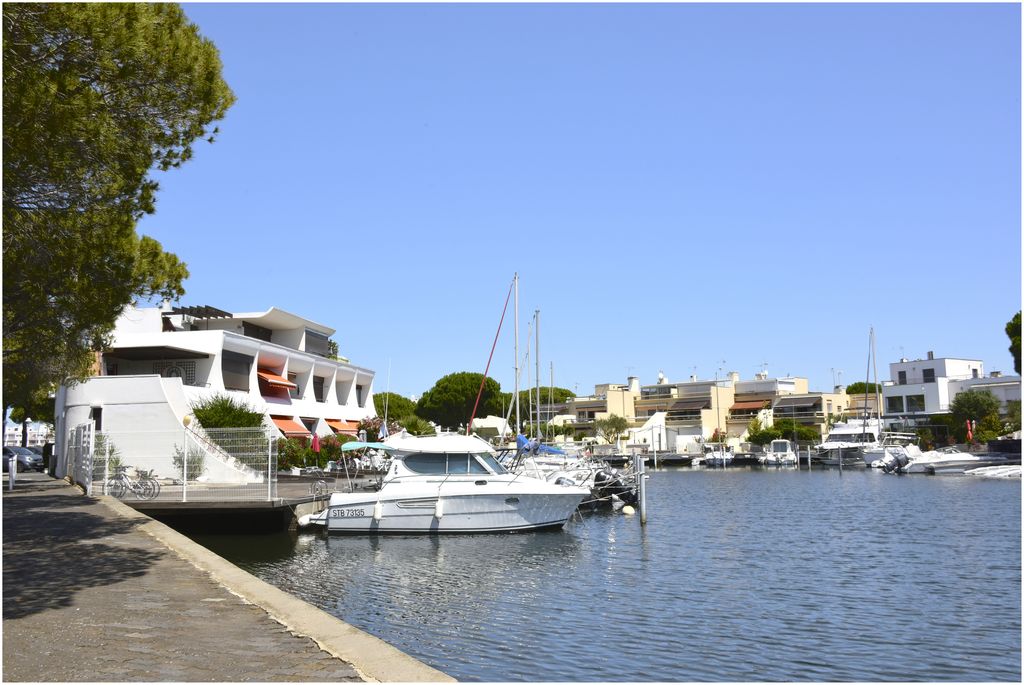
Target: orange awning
(274, 379)
(289, 427)
(751, 404)
(346, 427)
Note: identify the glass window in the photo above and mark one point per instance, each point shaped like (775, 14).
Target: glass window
(492, 462)
(894, 405)
(427, 463)
(475, 466)
(915, 402)
(929, 375)
(235, 370)
(902, 378)
(458, 463)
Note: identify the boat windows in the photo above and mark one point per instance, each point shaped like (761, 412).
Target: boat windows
(439, 463)
(492, 463)
(427, 463)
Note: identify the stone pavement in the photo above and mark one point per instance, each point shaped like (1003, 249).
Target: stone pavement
(93, 591)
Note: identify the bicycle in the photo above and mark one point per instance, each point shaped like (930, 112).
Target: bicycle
(317, 488)
(144, 487)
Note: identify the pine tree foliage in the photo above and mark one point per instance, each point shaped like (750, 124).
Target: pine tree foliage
(96, 97)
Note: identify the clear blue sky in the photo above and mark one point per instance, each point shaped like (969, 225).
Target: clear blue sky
(677, 185)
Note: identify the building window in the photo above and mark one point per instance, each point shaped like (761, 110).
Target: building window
(235, 369)
(251, 330)
(111, 369)
(294, 392)
(915, 402)
(902, 378)
(894, 405)
(316, 343)
(360, 397)
(318, 388)
(929, 375)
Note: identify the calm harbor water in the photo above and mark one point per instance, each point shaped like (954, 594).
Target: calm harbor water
(740, 574)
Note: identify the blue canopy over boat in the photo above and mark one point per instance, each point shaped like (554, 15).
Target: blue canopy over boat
(356, 445)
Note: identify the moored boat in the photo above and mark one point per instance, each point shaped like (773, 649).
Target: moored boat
(449, 484)
(780, 453)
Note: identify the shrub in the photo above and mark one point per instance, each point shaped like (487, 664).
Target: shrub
(113, 455)
(196, 460)
(294, 452)
(223, 411)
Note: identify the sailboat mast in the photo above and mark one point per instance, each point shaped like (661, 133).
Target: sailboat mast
(878, 392)
(515, 280)
(536, 332)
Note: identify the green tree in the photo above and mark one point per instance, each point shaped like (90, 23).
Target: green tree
(1013, 331)
(96, 96)
(398, 407)
(611, 428)
(980, 406)
(862, 388)
(788, 428)
(416, 426)
(450, 402)
(1012, 421)
(759, 435)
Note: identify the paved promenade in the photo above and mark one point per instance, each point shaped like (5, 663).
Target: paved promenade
(93, 591)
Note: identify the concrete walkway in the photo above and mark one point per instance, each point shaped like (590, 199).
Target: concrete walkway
(94, 591)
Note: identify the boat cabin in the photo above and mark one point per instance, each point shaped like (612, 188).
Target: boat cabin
(452, 463)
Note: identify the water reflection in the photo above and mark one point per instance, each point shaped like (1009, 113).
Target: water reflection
(739, 575)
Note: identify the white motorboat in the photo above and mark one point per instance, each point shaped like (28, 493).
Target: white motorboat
(950, 460)
(891, 443)
(718, 455)
(449, 484)
(847, 441)
(780, 453)
(560, 466)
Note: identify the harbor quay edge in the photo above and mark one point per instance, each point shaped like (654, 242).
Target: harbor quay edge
(120, 594)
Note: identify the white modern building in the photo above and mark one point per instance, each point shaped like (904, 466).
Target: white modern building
(920, 388)
(163, 360)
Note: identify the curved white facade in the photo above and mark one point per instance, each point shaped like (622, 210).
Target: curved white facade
(162, 362)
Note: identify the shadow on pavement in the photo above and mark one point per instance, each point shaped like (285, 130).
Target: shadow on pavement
(55, 545)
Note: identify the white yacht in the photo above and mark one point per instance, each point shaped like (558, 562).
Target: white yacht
(780, 453)
(892, 442)
(849, 440)
(450, 484)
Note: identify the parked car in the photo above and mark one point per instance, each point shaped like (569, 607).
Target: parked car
(27, 459)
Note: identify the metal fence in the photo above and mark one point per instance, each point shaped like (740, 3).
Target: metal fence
(187, 465)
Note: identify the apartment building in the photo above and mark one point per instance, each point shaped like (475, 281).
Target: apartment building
(164, 360)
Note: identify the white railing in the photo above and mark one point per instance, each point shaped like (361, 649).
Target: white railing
(217, 465)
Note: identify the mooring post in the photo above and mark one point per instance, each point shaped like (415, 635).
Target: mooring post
(639, 467)
(12, 471)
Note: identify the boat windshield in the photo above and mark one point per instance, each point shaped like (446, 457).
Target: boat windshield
(780, 447)
(492, 462)
(438, 463)
(851, 437)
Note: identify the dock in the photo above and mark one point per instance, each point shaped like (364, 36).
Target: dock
(96, 591)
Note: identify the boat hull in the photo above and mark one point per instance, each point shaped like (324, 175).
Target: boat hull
(456, 513)
(851, 456)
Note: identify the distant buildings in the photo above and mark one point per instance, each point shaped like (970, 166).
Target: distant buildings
(681, 416)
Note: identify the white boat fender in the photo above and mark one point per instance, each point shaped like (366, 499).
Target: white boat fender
(438, 509)
(305, 520)
(628, 510)
(378, 511)
(617, 503)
